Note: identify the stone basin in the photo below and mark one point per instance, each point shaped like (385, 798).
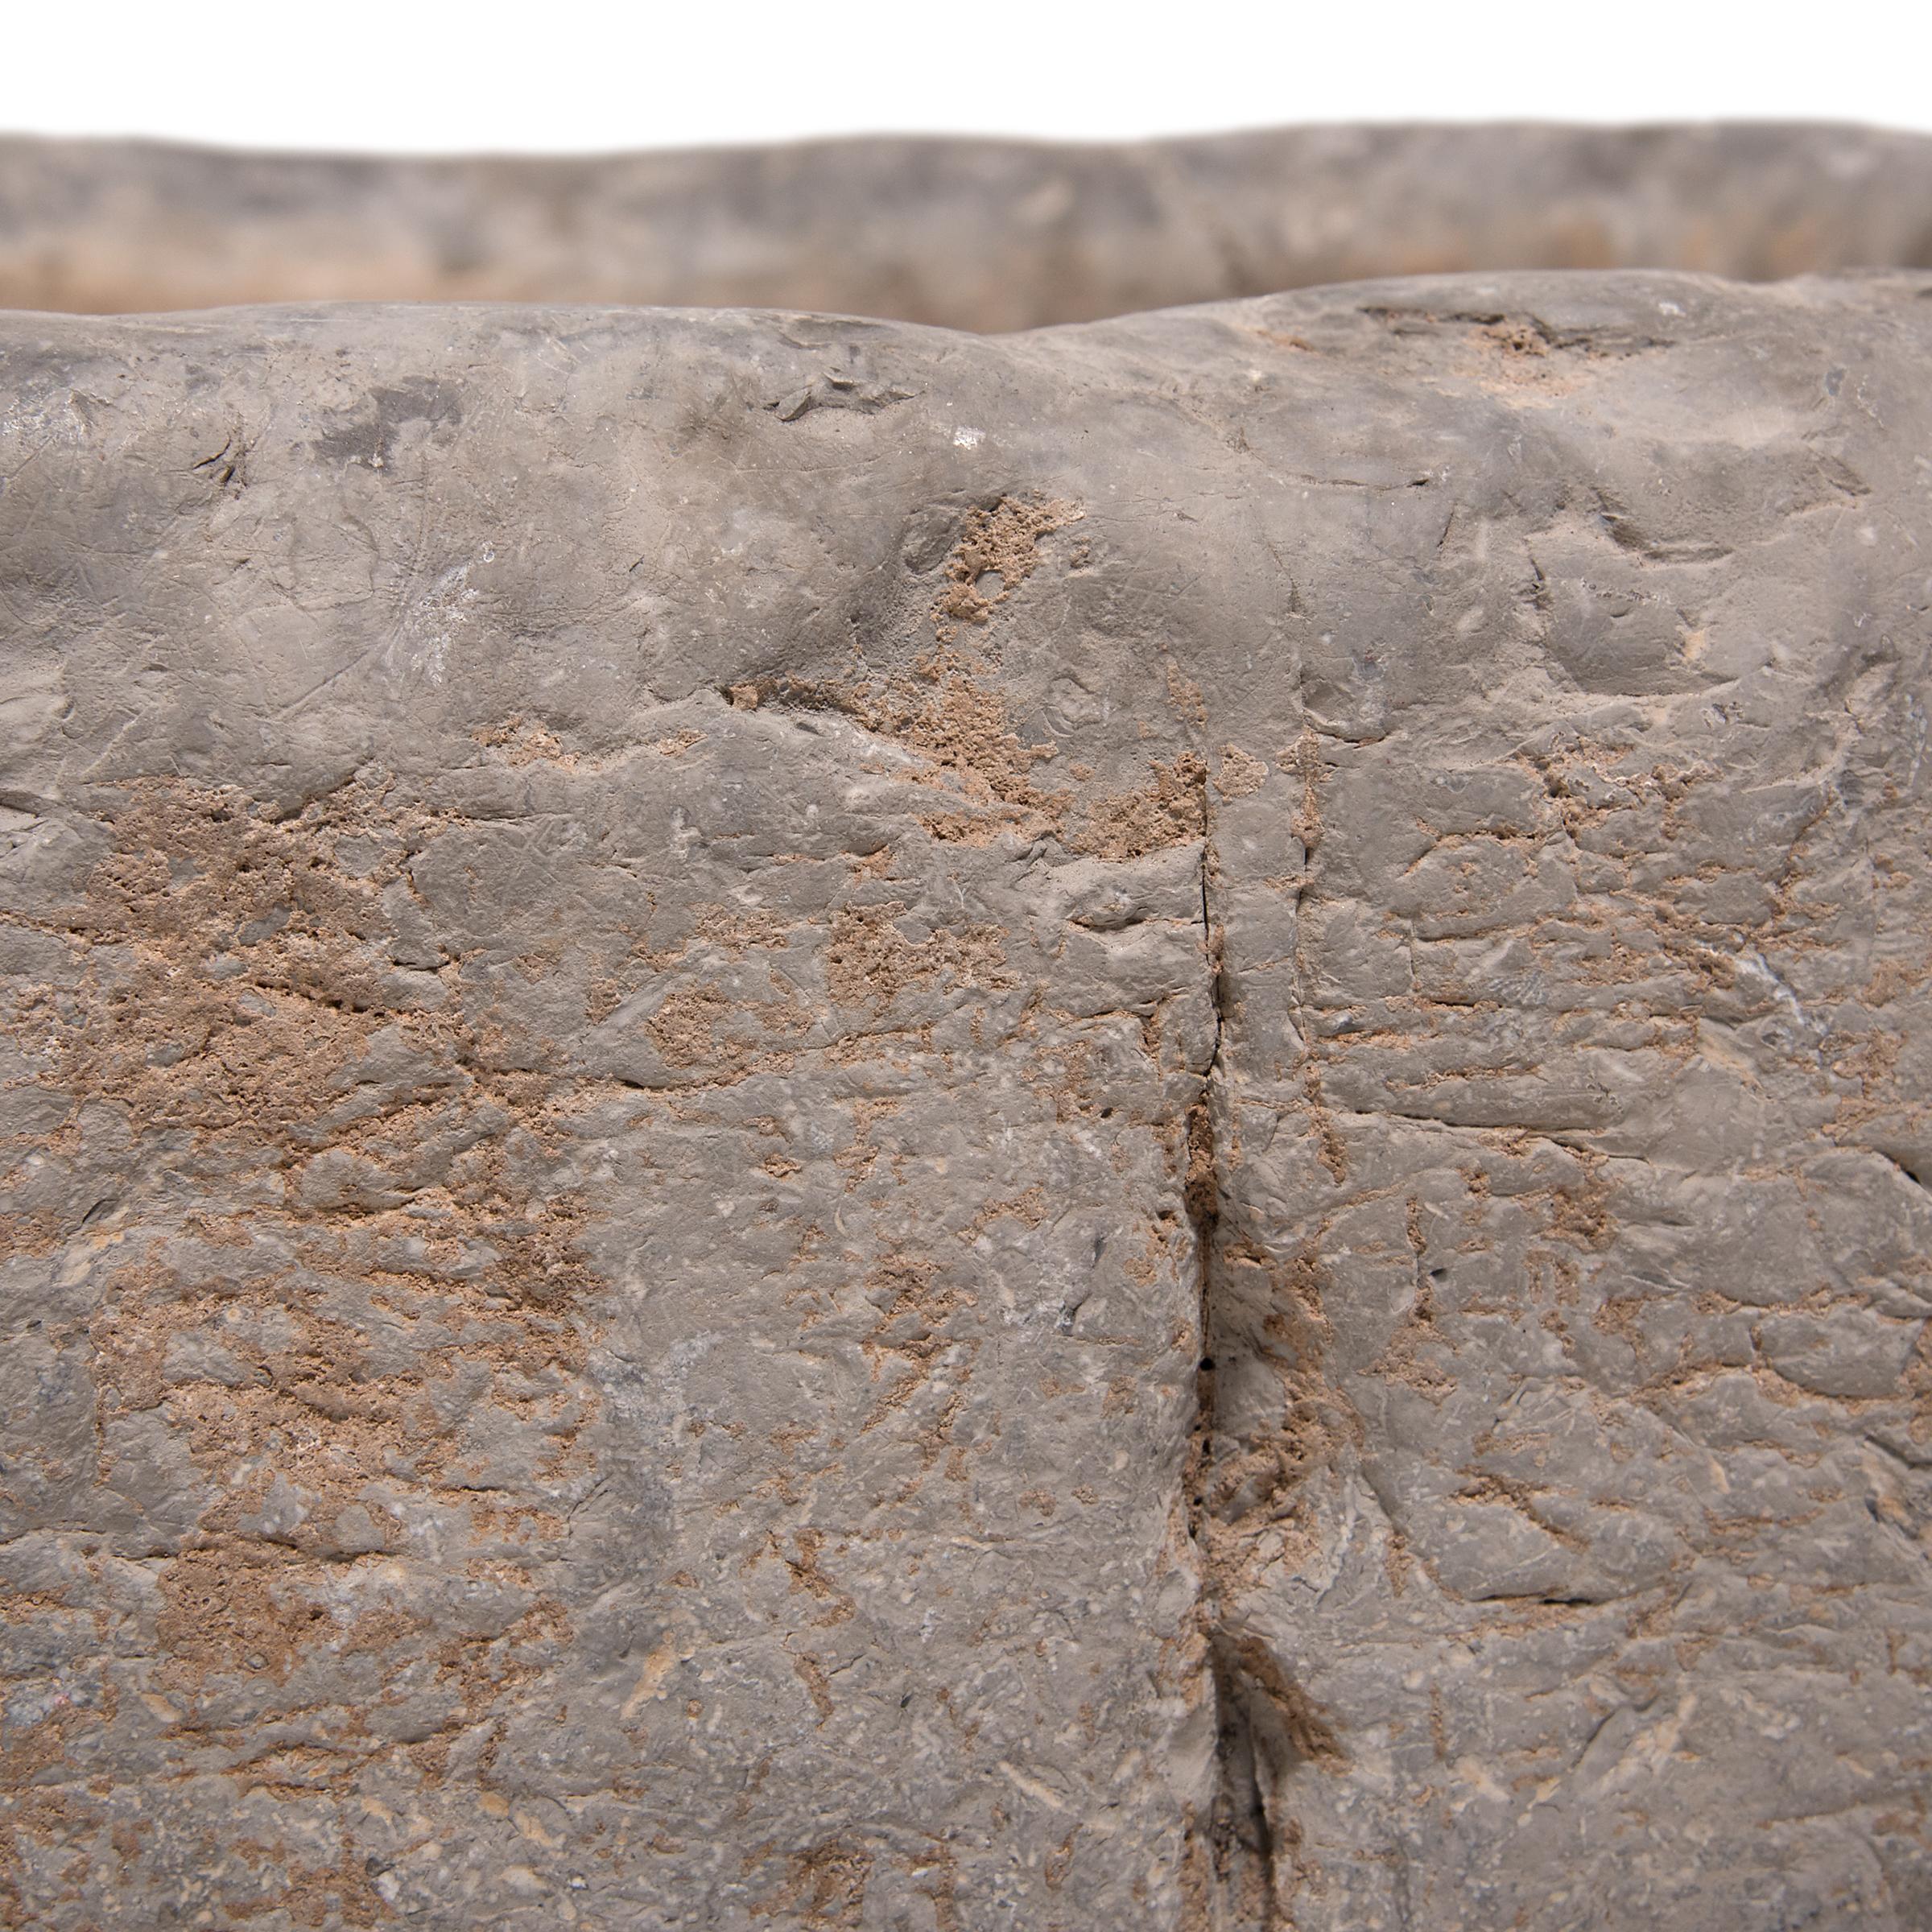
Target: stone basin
(843, 1089)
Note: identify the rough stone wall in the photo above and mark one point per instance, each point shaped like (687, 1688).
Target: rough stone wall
(987, 235)
(812, 1124)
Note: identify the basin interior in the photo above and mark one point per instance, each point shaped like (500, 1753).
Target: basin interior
(969, 234)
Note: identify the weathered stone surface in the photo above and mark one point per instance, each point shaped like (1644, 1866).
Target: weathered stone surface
(817, 1125)
(965, 233)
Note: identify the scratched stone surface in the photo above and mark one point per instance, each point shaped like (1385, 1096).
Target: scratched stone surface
(815, 1125)
(965, 233)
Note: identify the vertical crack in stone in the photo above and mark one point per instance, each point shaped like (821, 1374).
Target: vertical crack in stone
(1243, 1836)
(1242, 1891)
(1266, 1727)
(1202, 1193)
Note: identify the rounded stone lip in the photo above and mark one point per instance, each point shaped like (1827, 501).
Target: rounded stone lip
(989, 235)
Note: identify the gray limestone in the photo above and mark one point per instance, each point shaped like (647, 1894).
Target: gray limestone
(814, 1124)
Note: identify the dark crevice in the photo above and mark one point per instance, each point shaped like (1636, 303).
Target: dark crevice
(1904, 1169)
(1267, 1728)
(1241, 1836)
(1201, 1190)
(1240, 1846)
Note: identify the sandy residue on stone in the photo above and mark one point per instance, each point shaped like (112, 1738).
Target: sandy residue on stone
(870, 961)
(1241, 774)
(229, 1002)
(1171, 809)
(1002, 543)
(947, 710)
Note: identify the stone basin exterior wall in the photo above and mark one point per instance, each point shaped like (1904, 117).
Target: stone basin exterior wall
(814, 1123)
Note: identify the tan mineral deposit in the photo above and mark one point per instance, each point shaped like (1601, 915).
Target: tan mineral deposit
(942, 1037)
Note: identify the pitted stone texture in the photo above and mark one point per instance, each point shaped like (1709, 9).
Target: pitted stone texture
(816, 1125)
(977, 234)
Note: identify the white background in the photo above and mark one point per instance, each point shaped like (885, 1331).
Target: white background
(408, 76)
